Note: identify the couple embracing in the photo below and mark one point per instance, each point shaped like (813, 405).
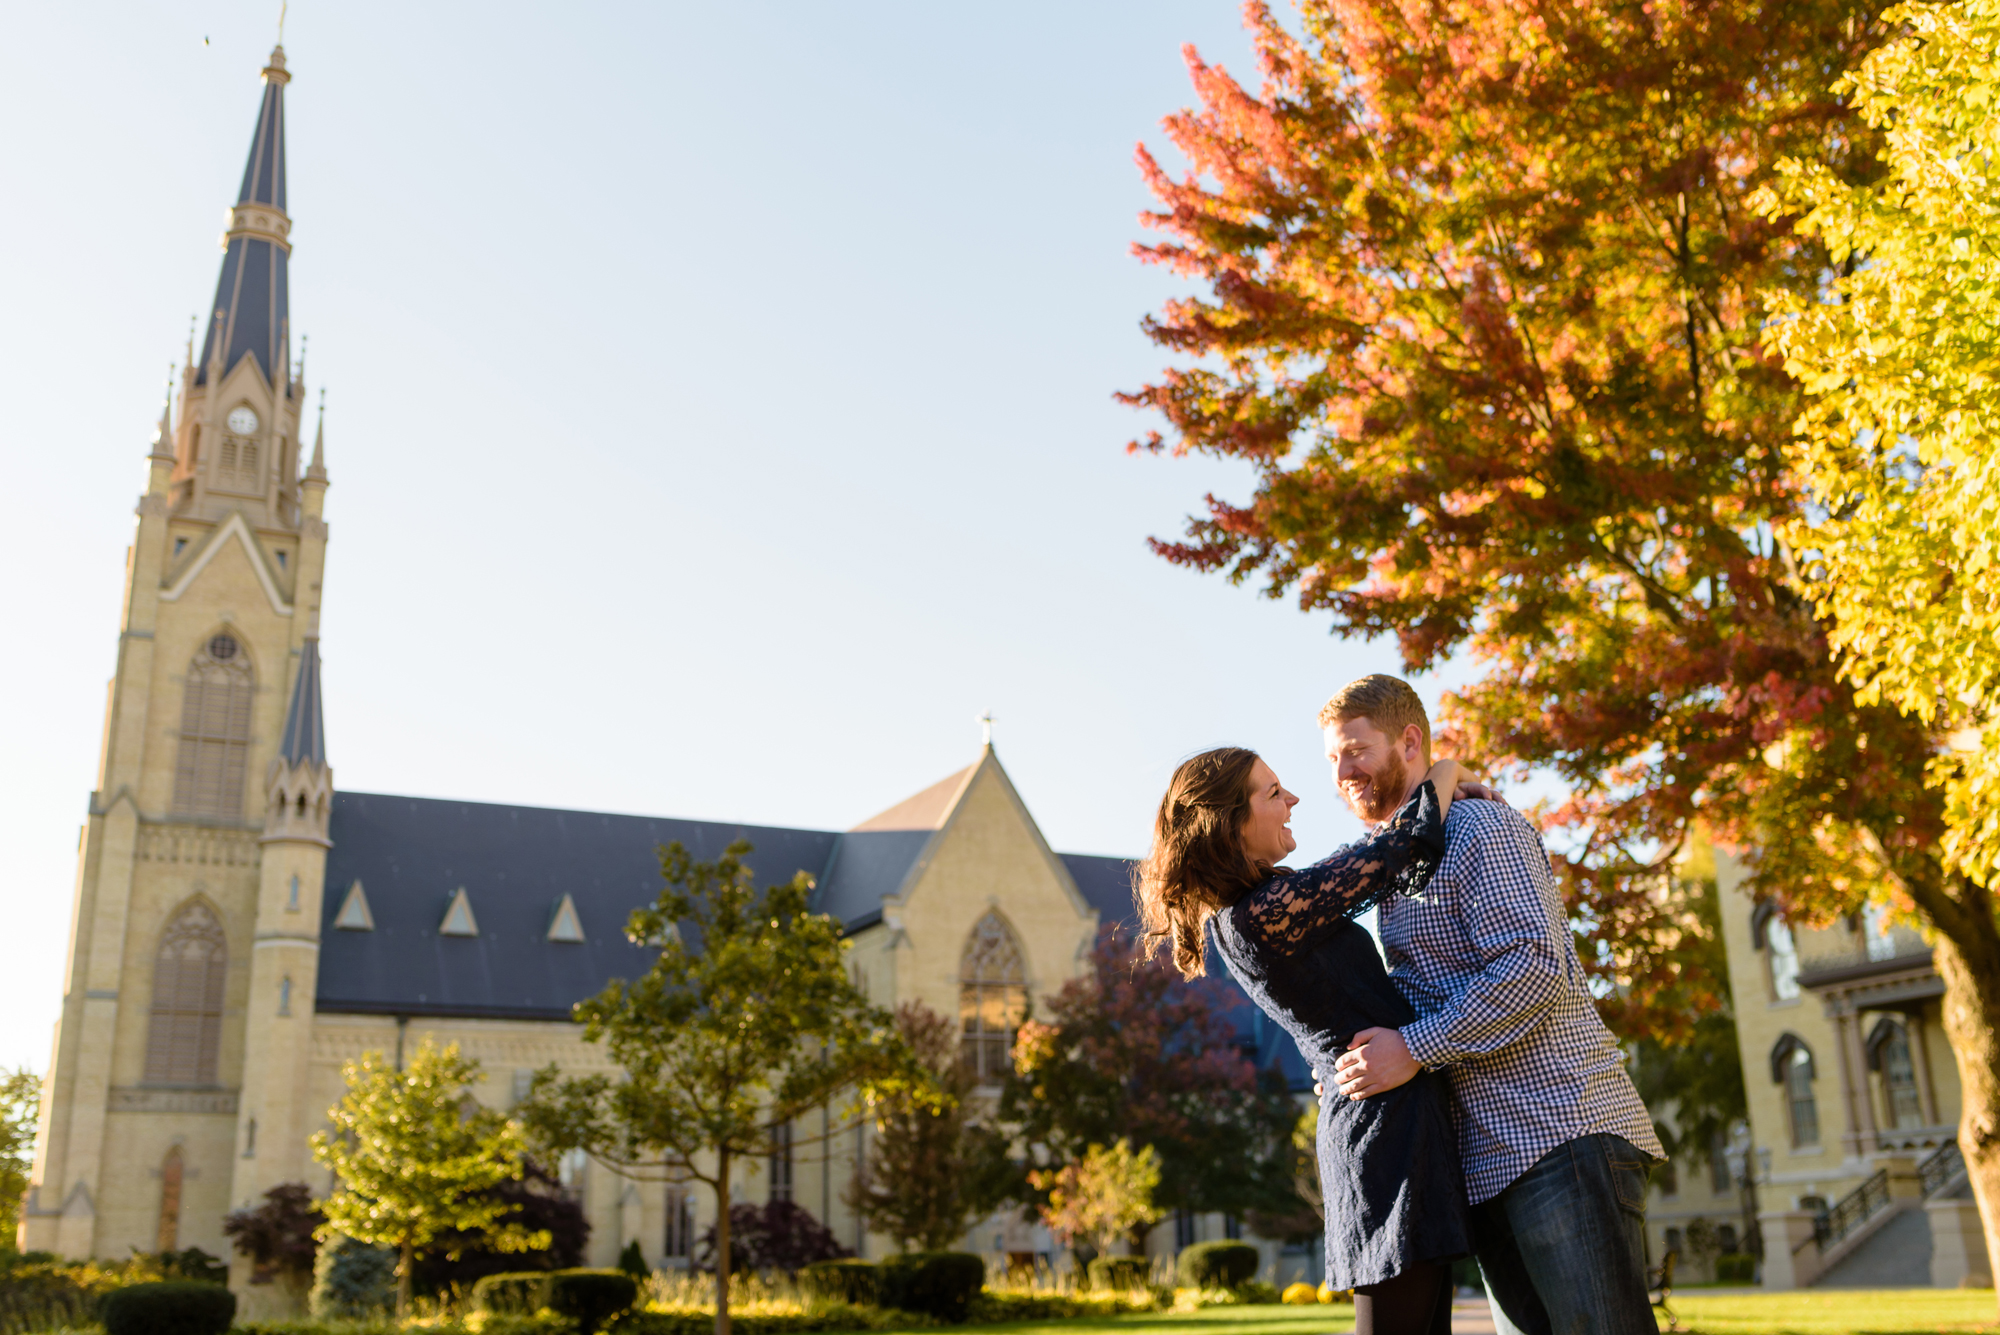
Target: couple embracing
(1473, 1103)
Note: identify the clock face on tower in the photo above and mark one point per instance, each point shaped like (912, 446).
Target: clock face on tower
(242, 421)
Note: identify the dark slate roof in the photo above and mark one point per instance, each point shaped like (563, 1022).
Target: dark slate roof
(252, 294)
(305, 720)
(411, 854)
(516, 863)
(866, 865)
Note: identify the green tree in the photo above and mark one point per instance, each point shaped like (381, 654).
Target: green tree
(20, 1109)
(1902, 359)
(1479, 307)
(931, 1167)
(747, 1019)
(417, 1159)
(1104, 1196)
(1131, 1050)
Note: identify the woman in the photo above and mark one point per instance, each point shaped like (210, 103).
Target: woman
(1388, 1164)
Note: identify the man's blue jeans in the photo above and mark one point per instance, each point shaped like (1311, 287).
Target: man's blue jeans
(1563, 1248)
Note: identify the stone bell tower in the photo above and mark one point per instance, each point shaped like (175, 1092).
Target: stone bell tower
(193, 946)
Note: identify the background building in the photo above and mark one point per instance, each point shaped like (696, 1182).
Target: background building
(242, 930)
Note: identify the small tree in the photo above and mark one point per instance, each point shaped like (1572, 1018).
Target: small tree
(746, 1020)
(418, 1159)
(1130, 1049)
(931, 1171)
(278, 1236)
(1106, 1196)
(536, 1203)
(20, 1107)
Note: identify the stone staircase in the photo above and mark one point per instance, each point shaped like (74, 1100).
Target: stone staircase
(1896, 1256)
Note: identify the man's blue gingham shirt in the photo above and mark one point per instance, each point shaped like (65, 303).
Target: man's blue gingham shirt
(1486, 959)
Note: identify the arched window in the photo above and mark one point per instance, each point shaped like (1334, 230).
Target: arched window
(1888, 1049)
(170, 1201)
(1769, 934)
(992, 998)
(188, 975)
(215, 731)
(1792, 1067)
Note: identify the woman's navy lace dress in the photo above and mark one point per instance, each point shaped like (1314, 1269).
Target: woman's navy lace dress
(1388, 1165)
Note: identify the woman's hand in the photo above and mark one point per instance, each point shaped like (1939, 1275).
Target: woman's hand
(1445, 777)
(1469, 788)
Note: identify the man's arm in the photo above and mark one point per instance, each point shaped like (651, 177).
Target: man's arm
(1507, 921)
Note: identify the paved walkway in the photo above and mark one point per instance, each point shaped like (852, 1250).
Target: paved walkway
(1471, 1316)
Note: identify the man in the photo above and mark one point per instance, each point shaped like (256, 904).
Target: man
(1555, 1142)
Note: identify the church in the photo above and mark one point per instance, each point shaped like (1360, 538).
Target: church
(242, 928)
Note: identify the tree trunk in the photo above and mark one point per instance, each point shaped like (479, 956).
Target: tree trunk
(1969, 962)
(403, 1269)
(722, 1243)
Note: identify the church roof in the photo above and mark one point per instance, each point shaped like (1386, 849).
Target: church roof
(305, 720)
(413, 855)
(252, 294)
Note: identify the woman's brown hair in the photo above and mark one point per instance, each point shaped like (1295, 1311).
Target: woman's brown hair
(1197, 864)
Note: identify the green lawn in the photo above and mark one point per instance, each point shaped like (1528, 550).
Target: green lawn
(1838, 1312)
(1846, 1312)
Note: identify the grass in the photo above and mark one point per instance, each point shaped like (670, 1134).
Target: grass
(1838, 1312)
(1268, 1320)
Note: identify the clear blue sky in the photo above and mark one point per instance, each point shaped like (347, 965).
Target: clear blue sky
(719, 408)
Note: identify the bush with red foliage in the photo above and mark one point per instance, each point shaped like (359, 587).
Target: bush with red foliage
(778, 1236)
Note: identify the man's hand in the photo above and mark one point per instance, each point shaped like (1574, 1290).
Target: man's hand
(1375, 1062)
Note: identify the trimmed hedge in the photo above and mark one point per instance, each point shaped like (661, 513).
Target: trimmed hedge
(513, 1291)
(1735, 1268)
(850, 1280)
(1218, 1265)
(1121, 1272)
(172, 1307)
(937, 1284)
(590, 1297)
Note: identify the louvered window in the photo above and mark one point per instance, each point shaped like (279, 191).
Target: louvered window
(680, 1224)
(188, 976)
(992, 998)
(215, 732)
(171, 1172)
(237, 465)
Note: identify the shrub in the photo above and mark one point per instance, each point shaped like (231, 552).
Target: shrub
(590, 1297)
(1120, 1272)
(171, 1307)
(937, 1284)
(848, 1280)
(537, 1202)
(1218, 1265)
(633, 1262)
(516, 1291)
(352, 1279)
(778, 1236)
(1299, 1294)
(1735, 1268)
(277, 1236)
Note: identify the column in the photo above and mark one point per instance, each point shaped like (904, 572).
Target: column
(1850, 1141)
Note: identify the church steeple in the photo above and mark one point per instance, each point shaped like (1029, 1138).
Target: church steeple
(252, 300)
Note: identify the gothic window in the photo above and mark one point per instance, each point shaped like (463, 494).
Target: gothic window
(1792, 1067)
(781, 1162)
(1889, 1053)
(992, 998)
(215, 731)
(1769, 934)
(680, 1223)
(185, 1034)
(170, 1200)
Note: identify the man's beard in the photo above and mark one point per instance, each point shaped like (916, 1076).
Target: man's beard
(1384, 793)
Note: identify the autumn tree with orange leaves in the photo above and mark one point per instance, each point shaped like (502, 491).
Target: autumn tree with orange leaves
(1479, 300)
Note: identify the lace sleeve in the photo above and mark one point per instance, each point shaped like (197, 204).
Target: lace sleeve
(1295, 910)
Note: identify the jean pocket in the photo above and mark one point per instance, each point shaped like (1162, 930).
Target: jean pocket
(1629, 1168)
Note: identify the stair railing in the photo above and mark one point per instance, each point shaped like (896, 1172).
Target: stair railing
(1850, 1212)
(1941, 1168)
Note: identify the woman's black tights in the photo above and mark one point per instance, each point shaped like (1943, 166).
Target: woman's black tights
(1416, 1302)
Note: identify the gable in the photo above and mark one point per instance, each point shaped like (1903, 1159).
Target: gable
(234, 537)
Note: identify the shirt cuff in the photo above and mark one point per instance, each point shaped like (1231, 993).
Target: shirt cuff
(1425, 1045)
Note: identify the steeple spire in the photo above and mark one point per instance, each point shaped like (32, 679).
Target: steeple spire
(163, 438)
(317, 468)
(252, 296)
(304, 739)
